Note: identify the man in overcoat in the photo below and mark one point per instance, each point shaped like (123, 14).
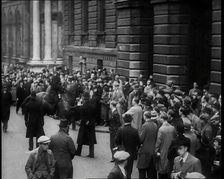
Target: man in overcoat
(146, 153)
(6, 102)
(114, 124)
(129, 138)
(34, 119)
(86, 134)
(164, 139)
(63, 149)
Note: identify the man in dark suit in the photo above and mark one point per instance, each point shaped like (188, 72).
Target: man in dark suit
(129, 138)
(63, 149)
(34, 119)
(118, 171)
(86, 134)
(185, 162)
(114, 124)
(6, 102)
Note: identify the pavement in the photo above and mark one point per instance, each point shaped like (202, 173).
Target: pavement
(15, 150)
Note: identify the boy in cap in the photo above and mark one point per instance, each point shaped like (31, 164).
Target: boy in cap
(118, 170)
(41, 163)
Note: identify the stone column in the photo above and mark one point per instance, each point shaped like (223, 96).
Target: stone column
(170, 42)
(60, 30)
(134, 37)
(36, 33)
(47, 23)
(26, 32)
(216, 48)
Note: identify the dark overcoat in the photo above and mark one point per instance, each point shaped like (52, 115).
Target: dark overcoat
(34, 118)
(116, 173)
(6, 102)
(87, 135)
(63, 149)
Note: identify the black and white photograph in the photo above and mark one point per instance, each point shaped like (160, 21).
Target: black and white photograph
(111, 89)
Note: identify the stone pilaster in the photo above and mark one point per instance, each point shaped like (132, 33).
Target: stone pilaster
(36, 33)
(47, 23)
(170, 47)
(215, 75)
(134, 37)
(60, 32)
(26, 32)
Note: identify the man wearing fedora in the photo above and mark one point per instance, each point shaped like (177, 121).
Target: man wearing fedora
(41, 162)
(64, 150)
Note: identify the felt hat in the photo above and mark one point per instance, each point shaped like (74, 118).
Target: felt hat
(153, 114)
(121, 155)
(43, 139)
(63, 123)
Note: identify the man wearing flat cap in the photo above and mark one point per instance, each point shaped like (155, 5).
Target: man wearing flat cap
(41, 162)
(118, 171)
(64, 150)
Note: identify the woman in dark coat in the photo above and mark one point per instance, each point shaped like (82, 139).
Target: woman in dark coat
(86, 135)
(34, 119)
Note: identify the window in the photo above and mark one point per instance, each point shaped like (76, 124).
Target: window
(101, 23)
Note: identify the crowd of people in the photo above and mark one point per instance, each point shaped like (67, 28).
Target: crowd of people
(171, 133)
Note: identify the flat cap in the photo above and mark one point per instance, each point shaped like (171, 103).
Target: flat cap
(43, 139)
(121, 155)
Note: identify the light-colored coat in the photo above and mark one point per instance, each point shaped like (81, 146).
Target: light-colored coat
(165, 136)
(137, 113)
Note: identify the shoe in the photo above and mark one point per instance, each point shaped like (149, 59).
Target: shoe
(90, 156)
(30, 149)
(112, 160)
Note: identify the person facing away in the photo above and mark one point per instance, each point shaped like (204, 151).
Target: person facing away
(146, 162)
(64, 150)
(41, 162)
(129, 138)
(118, 171)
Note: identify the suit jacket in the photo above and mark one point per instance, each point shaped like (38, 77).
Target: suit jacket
(192, 164)
(136, 112)
(31, 165)
(114, 122)
(130, 138)
(116, 173)
(148, 139)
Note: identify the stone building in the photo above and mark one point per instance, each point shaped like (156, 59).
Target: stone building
(178, 40)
